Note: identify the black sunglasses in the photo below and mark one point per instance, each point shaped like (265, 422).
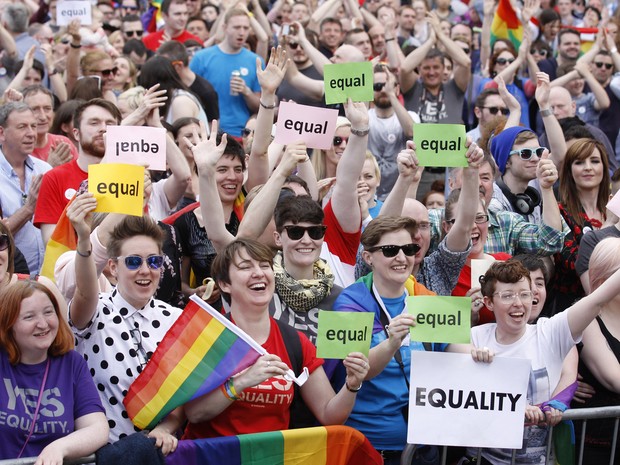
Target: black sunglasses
(526, 154)
(606, 65)
(134, 262)
(542, 52)
(390, 251)
(132, 33)
(108, 72)
(495, 110)
(378, 86)
(246, 132)
(339, 140)
(503, 61)
(297, 232)
(137, 337)
(293, 45)
(4, 241)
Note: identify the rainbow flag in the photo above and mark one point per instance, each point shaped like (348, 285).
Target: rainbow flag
(506, 24)
(197, 355)
(329, 445)
(62, 240)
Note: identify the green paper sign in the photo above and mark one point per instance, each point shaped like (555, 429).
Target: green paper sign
(340, 333)
(441, 319)
(348, 80)
(440, 144)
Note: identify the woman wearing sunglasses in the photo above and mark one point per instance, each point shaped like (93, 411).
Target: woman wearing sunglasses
(325, 162)
(117, 332)
(50, 406)
(244, 404)
(584, 193)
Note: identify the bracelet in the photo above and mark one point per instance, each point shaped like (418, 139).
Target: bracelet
(391, 38)
(224, 391)
(546, 112)
(75, 46)
(230, 392)
(231, 386)
(350, 389)
(267, 107)
(360, 132)
(85, 255)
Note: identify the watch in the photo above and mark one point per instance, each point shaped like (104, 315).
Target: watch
(360, 132)
(546, 112)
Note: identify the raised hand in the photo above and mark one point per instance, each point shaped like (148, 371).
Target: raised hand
(60, 154)
(206, 150)
(542, 89)
(357, 114)
(474, 154)
(33, 191)
(294, 154)
(74, 30)
(79, 212)
(271, 77)
(510, 100)
(356, 365)
(408, 164)
(546, 171)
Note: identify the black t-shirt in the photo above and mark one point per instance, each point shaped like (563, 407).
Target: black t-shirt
(208, 97)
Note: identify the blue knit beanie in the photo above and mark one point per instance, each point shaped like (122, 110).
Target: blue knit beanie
(501, 145)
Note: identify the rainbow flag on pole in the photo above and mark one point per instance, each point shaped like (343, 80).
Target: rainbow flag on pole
(506, 24)
(62, 240)
(197, 355)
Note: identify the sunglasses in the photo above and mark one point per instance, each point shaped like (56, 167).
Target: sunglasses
(526, 154)
(339, 140)
(378, 86)
(137, 337)
(293, 45)
(134, 262)
(542, 52)
(496, 110)
(4, 241)
(246, 132)
(134, 33)
(503, 61)
(108, 72)
(297, 232)
(606, 65)
(390, 251)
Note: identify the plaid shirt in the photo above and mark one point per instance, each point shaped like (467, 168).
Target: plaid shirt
(510, 233)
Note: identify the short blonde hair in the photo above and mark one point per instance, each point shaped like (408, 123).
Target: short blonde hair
(133, 97)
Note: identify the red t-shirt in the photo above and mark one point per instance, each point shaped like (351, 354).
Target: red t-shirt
(464, 285)
(155, 39)
(264, 407)
(57, 188)
(42, 153)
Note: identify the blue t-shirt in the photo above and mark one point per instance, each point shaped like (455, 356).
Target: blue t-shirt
(69, 393)
(216, 67)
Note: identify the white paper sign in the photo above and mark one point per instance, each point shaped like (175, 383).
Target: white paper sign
(67, 11)
(455, 401)
(313, 125)
(479, 267)
(136, 145)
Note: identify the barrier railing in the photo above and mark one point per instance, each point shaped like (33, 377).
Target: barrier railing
(583, 415)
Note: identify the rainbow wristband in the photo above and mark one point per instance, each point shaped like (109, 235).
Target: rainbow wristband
(232, 389)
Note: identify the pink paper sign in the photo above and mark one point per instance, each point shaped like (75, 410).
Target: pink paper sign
(136, 145)
(315, 126)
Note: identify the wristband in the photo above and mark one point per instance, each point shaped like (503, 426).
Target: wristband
(230, 392)
(85, 255)
(391, 38)
(231, 386)
(75, 46)
(350, 389)
(546, 112)
(360, 132)
(267, 107)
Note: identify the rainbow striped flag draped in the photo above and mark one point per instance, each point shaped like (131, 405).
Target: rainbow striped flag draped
(330, 445)
(62, 240)
(506, 24)
(197, 355)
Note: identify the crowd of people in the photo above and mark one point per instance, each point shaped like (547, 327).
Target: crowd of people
(271, 234)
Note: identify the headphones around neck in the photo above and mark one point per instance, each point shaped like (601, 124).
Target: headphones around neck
(524, 203)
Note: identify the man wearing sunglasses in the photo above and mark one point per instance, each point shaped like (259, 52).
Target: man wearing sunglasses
(489, 105)
(131, 27)
(603, 66)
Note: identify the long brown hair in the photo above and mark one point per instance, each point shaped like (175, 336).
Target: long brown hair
(12, 298)
(579, 151)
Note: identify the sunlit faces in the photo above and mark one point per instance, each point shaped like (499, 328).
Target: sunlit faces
(300, 12)
(106, 71)
(406, 19)
(447, 69)
(569, 46)
(334, 154)
(503, 61)
(198, 28)
(136, 286)
(419, 7)
(209, 13)
(561, 103)
(431, 72)
(491, 103)
(176, 18)
(564, 7)
(377, 37)
(539, 294)
(462, 30)
(524, 170)
(298, 254)
(229, 177)
(435, 200)
(576, 86)
(588, 173)
(132, 30)
(331, 35)
(479, 233)
(43, 109)
(381, 97)
(237, 31)
(361, 41)
(251, 282)
(36, 328)
(187, 131)
(602, 67)
(394, 270)
(550, 30)
(91, 133)
(19, 134)
(485, 174)
(417, 211)
(591, 18)
(511, 318)
(123, 76)
(370, 179)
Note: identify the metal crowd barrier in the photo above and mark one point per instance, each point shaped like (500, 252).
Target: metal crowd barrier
(583, 414)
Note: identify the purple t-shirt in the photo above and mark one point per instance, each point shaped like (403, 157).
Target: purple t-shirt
(69, 393)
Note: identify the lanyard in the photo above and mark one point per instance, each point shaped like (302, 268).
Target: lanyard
(36, 410)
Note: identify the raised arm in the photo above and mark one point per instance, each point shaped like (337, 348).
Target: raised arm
(269, 79)
(409, 174)
(462, 62)
(18, 81)
(547, 175)
(408, 76)
(7, 43)
(318, 59)
(602, 99)
(84, 303)
(313, 88)
(344, 199)
(73, 56)
(555, 135)
(511, 102)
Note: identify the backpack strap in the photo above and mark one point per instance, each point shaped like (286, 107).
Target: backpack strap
(293, 346)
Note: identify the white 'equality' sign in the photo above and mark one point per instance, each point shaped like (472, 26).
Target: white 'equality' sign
(455, 401)
(68, 10)
(136, 145)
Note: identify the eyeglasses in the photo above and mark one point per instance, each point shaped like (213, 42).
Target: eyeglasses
(246, 132)
(134, 262)
(130, 8)
(378, 86)
(297, 232)
(107, 72)
(542, 52)
(479, 219)
(137, 337)
(606, 65)
(495, 110)
(390, 251)
(526, 154)
(293, 45)
(132, 33)
(4, 241)
(503, 61)
(424, 225)
(508, 297)
(339, 140)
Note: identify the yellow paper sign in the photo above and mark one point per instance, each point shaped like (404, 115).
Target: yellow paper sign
(118, 188)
